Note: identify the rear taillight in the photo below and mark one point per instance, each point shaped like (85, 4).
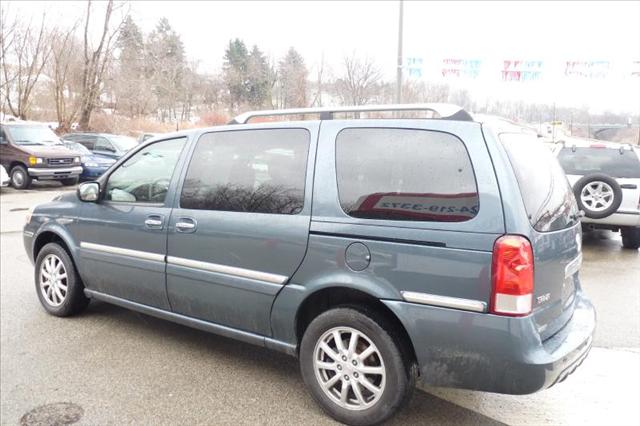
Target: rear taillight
(512, 275)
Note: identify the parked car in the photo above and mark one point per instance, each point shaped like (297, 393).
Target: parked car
(104, 144)
(606, 183)
(4, 177)
(32, 151)
(93, 165)
(377, 251)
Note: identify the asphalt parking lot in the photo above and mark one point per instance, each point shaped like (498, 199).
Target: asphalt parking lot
(120, 367)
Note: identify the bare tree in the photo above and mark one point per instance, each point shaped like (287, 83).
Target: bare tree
(360, 81)
(317, 97)
(65, 71)
(24, 53)
(96, 61)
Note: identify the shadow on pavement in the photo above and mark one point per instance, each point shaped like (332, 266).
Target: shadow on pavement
(280, 369)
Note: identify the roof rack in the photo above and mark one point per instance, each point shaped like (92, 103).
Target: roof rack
(443, 111)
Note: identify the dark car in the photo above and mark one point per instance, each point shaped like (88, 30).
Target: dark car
(93, 165)
(32, 151)
(105, 144)
(377, 251)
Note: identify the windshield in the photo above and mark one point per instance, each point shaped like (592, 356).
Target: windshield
(75, 146)
(546, 193)
(123, 143)
(587, 160)
(32, 135)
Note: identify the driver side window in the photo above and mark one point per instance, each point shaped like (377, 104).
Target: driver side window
(145, 177)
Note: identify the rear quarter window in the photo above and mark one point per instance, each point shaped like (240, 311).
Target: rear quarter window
(405, 174)
(545, 191)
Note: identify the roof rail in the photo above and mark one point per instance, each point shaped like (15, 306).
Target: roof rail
(444, 111)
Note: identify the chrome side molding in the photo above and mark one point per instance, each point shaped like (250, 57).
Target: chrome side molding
(444, 301)
(228, 270)
(123, 252)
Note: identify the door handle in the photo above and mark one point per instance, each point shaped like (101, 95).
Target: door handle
(154, 222)
(186, 225)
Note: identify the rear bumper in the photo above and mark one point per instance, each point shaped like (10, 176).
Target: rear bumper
(621, 218)
(55, 173)
(492, 353)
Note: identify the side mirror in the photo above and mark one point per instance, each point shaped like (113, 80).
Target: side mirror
(89, 192)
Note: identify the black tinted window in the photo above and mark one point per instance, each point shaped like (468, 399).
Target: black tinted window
(145, 177)
(86, 140)
(260, 171)
(403, 174)
(545, 190)
(587, 160)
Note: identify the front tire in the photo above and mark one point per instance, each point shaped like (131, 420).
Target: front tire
(20, 178)
(58, 285)
(354, 368)
(631, 237)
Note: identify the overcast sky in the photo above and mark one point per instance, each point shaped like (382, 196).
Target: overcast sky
(549, 31)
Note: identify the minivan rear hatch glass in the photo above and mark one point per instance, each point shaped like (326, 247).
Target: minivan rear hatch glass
(545, 191)
(556, 235)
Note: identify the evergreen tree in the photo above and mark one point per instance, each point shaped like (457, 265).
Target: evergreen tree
(166, 67)
(235, 67)
(292, 80)
(259, 79)
(130, 82)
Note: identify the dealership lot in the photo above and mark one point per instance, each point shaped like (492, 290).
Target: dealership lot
(122, 367)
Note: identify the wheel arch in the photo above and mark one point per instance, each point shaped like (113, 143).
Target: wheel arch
(15, 163)
(53, 234)
(323, 299)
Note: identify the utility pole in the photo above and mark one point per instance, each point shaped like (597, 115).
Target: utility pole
(399, 71)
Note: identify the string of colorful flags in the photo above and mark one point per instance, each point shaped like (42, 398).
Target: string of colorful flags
(519, 70)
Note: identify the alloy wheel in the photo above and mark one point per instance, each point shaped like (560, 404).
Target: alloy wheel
(597, 196)
(349, 368)
(53, 280)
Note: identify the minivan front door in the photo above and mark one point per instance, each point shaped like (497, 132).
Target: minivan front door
(240, 224)
(124, 235)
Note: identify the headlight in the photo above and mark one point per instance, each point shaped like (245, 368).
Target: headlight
(91, 164)
(76, 160)
(35, 160)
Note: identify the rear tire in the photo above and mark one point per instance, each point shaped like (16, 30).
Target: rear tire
(70, 181)
(631, 237)
(321, 360)
(58, 284)
(20, 178)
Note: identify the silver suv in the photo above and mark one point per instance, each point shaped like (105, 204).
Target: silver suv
(605, 177)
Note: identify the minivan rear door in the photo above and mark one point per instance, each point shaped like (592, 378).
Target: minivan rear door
(240, 223)
(553, 228)
(403, 209)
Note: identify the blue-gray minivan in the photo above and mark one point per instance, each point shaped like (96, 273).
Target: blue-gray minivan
(379, 251)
